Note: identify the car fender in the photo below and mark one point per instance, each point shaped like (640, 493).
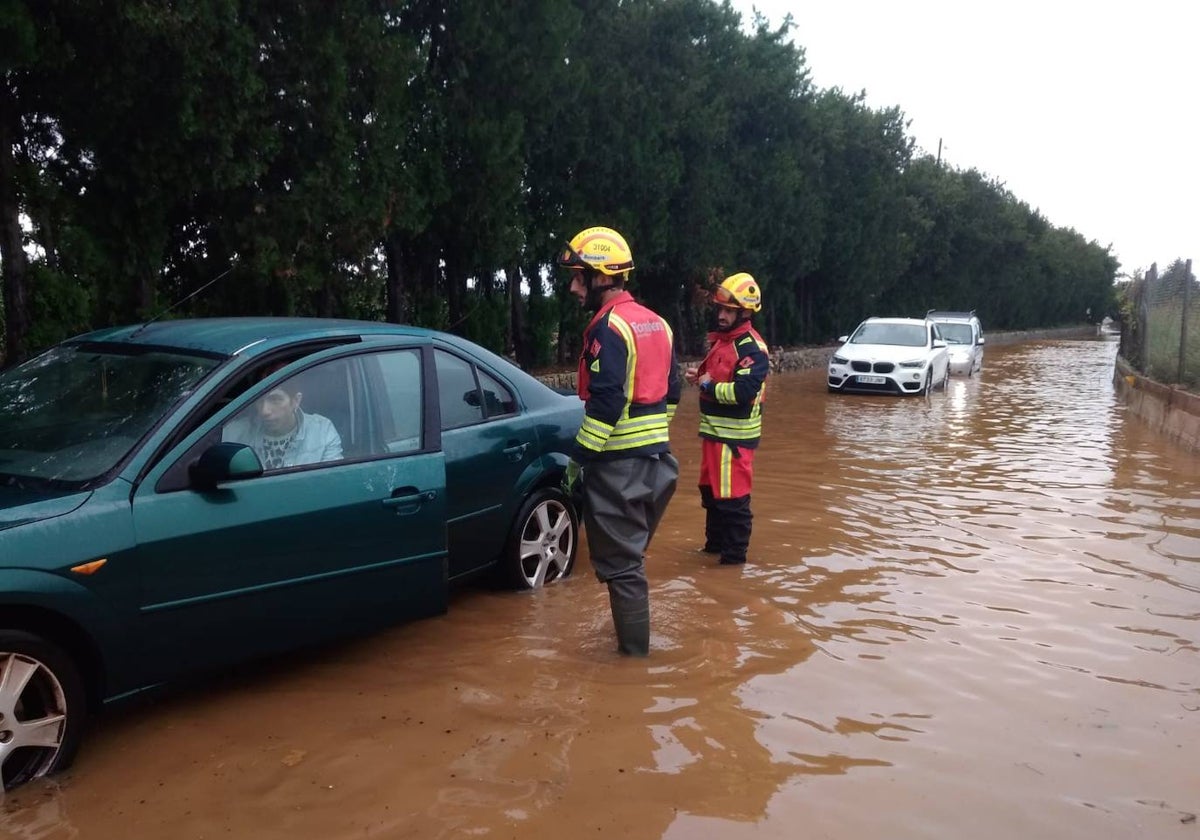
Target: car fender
(549, 464)
(75, 617)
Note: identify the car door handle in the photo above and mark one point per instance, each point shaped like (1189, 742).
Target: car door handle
(408, 500)
(516, 451)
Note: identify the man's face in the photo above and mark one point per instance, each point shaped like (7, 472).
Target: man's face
(277, 410)
(726, 317)
(578, 286)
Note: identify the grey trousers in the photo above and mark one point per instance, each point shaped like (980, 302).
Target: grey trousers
(624, 500)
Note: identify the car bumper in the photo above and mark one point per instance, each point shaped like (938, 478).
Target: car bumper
(904, 383)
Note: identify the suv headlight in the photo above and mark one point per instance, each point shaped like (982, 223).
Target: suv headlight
(838, 360)
(913, 363)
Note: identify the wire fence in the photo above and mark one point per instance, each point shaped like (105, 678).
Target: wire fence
(1161, 337)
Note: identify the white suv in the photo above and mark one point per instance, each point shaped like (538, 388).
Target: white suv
(891, 356)
(964, 339)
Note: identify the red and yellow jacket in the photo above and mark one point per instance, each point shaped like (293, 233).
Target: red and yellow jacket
(731, 405)
(629, 382)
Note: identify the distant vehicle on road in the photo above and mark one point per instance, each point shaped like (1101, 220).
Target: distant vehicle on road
(964, 339)
(891, 356)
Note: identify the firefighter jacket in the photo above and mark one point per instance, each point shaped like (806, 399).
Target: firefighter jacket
(731, 406)
(629, 382)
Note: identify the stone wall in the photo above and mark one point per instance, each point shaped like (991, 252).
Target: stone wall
(1168, 409)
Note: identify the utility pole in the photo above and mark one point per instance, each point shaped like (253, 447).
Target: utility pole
(1183, 322)
(939, 159)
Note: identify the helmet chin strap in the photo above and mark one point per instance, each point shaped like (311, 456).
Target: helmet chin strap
(595, 294)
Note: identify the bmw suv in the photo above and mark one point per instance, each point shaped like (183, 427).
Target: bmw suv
(890, 356)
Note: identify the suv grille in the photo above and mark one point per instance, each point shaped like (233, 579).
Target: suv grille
(865, 367)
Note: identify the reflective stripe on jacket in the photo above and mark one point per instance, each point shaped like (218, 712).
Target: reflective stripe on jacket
(628, 380)
(738, 363)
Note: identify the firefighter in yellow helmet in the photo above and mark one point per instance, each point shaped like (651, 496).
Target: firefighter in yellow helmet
(621, 471)
(732, 381)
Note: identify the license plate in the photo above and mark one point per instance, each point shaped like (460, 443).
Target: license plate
(872, 380)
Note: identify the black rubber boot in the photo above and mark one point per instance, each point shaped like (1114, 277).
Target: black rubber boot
(631, 620)
(735, 521)
(712, 526)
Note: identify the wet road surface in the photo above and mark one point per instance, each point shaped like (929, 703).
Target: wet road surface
(975, 615)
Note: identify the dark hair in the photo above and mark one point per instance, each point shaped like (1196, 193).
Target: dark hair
(290, 386)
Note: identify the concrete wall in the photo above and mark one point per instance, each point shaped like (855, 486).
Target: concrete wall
(1168, 409)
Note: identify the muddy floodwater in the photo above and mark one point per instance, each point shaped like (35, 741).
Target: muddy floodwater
(970, 616)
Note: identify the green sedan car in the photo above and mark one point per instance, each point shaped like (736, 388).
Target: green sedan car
(178, 496)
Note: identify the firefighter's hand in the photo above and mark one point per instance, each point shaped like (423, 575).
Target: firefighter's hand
(690, 375)
(570, 480)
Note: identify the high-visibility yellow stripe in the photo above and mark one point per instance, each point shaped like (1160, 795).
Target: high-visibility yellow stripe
(622, 326)
(731, 427)
(726, 477)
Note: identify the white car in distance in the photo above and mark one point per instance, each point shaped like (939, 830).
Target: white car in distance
(891, 356)
(964, 339)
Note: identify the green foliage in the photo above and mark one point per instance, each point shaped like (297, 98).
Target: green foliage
(157, 146)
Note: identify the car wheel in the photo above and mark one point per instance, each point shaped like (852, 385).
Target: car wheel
(42, 708)
(927, 385)
(946, 378)
(542, 545)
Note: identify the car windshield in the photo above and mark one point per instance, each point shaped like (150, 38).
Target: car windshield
(71, 414)
(955, 333)
(901, 335)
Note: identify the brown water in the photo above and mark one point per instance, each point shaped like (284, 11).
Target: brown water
(970, 616)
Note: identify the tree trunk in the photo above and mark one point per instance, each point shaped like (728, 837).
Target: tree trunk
(517, 322)
(397, 310)
(12, 247)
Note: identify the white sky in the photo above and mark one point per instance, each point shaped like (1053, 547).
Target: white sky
(1086, 111)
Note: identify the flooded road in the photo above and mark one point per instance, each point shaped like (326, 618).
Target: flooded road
(976, 615)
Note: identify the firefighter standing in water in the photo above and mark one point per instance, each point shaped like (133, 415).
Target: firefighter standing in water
(732, 380)
(622, 467)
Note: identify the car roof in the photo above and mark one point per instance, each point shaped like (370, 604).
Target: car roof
(229, 336)
(919, 321)
(934, 315)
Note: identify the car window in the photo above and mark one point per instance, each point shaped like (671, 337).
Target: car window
(73, 413)
(957, 333)
(458, 391)
(300, 421)
(403, 407)
(902, 335)
(497, 399)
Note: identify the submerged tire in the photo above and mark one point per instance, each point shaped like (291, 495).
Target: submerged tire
(43, 708)
(543, 542)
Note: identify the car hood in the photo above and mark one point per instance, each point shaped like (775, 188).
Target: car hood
(21, 506)
(881, 352)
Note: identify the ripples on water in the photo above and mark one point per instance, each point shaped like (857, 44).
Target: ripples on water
(1001, 582)
(969, 616)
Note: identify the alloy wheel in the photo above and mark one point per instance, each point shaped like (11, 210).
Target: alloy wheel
(33, 718)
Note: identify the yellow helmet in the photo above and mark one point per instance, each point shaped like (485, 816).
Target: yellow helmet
(738, 291)
(599, 248)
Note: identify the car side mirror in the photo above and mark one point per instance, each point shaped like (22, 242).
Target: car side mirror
(223, 462)
(843, 338)
(937, 342)
(980, 340)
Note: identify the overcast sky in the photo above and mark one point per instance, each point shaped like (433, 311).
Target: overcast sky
(1087, 111)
